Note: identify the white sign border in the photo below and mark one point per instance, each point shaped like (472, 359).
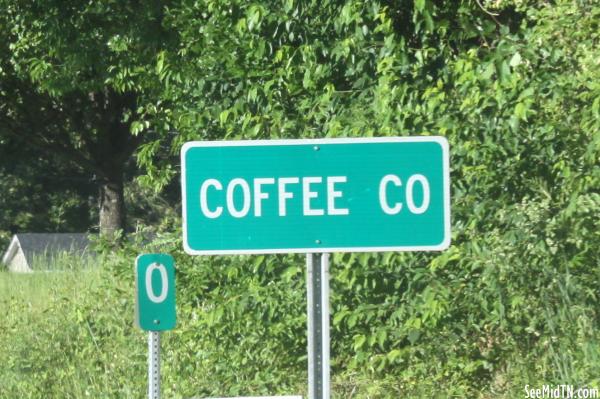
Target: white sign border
(442, 141)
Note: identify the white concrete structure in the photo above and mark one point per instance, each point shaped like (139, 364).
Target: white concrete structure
(14, 258)
(27, 247)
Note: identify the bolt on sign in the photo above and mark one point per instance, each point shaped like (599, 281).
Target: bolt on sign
(309, 196)
(155, 292)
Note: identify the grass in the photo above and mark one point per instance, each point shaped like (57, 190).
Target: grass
(65, 335)
(38, 291)
(69, 333)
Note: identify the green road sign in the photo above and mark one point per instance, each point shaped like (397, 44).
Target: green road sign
(155, 292)
(326, 195)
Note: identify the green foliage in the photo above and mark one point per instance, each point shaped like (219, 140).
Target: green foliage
(59, 200)
(84, 47)
(74, 80)
(471, 323)
(513, 85)
(513, 88)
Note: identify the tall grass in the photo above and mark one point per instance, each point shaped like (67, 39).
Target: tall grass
(66, 334)
(65, 275)
(241, 329)
(64, 261)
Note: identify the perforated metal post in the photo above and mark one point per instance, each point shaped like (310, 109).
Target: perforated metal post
(318, 325)
(154, 365)
(325, 344)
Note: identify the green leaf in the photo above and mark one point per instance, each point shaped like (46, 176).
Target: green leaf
(504, 71)
(160, 62)
(413, 336)
(223, 117)
(420, 5)
(258, 260)
(488, 71)
(521, 111)
(381, 338)
(352, 320)
(393, 355)
(515, 60)
(359, 341)
(339, 316)
(290, 273)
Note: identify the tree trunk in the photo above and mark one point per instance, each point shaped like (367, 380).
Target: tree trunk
(112, 206)
(111, 149)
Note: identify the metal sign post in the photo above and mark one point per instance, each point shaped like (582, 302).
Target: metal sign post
(154, 365)
(317, 284)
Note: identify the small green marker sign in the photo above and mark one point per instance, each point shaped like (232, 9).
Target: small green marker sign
(155, 292)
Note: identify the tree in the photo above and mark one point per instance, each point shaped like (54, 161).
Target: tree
(41, 193)
(512, 84)
(73, 77)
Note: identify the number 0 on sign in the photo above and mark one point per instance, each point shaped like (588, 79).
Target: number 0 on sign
(155, 292)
